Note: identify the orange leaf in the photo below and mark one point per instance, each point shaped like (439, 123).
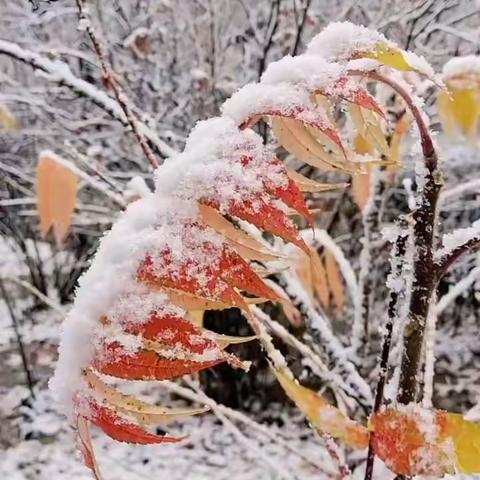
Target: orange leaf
(334, 280)
(84, 444)
(205, 284)
(326, 418)
(238, 273)
(172, 331)
(56, 195)
(401, 442)
(267, 217)
(147, 364)
(121, 430)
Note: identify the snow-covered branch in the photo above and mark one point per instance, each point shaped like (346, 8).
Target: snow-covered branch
(60, 72)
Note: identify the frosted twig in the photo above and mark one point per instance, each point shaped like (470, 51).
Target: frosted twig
(319, 327)
(430, 334)
(58, 71)
(398, 252)
(457, 290)
(113, 84)
(240, 417)
(46, 300)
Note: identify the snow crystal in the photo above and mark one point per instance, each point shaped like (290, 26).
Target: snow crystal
(455, 239)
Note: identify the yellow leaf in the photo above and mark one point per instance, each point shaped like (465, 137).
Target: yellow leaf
(196, 317)
(466, 441)
(306, 184)
(297, 139)
(459, 106)
(361, 187)
(84, 442)
(56, 196)
(334, 280)
(326, 418)
(369, 127)
(389, 56)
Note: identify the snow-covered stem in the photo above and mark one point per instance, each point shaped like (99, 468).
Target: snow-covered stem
(240, 417)
(249, 443)
(316, 363)
(445, 261)
(323, 334)
(37, 293)
(109, 77)
(58, 71)
(458, 190)
(363, 299)
(429, 369)
(398, 252)
(425, 217)
(457, 290)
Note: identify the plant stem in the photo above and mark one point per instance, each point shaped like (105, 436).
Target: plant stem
(399, 252)
(424, 268)
(21, 347)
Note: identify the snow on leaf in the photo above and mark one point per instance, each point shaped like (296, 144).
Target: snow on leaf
(147, 364)
(56, 195)
(326, 418)
(238, 238)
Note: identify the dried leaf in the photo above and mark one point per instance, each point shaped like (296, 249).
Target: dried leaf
(326, 418)
(144, 413)
(319, 277)
(369, 127)
(84, 444)
(56, 196)
(334, 280)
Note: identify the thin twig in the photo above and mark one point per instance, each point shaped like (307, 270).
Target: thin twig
(21, 346)
(399, 252)
(111, 81)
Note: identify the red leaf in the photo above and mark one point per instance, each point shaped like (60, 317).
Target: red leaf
(353, 93)
(204, 283)
(309, 116)
(237, 273)
(171, 331)
(146, 364)
(121, 430)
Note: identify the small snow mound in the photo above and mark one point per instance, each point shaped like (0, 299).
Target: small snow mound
(340, 40)
(469, 64)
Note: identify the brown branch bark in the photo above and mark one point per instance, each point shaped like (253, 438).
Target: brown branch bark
(425, 278)
(444, 263)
